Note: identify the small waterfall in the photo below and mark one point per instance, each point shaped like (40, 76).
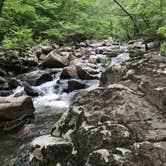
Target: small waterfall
(18, 91)
(49, 105)
(53, 98)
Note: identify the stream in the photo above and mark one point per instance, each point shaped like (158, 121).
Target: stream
(51, 103)
(49, 106)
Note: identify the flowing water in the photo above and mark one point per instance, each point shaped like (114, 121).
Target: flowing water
(49, 106)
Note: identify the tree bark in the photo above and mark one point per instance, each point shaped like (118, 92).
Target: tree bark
(136, 29)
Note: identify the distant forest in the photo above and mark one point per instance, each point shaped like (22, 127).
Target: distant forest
(27, 22)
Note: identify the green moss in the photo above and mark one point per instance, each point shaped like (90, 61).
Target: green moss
(106, 61)
(163, 49)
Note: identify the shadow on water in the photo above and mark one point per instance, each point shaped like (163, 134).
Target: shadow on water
(14, 148)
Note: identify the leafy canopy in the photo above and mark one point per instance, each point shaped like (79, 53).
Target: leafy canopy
(26, 22)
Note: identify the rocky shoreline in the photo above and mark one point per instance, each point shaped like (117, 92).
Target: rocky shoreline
(120, 122)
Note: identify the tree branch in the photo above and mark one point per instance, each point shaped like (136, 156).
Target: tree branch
(136, 29)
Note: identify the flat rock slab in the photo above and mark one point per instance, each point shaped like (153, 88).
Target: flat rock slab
(114, 125)
(48, 150)
(147, 75)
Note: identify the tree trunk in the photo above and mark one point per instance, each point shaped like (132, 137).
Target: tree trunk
(146, 21)
(136, 29)
(1, 5)
(161, 12)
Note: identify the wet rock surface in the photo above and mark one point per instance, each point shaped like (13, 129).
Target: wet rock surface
(15, 108)
(119, 121)
(147, 75)
(37, 77)
(30, 91)
(122, 123)
(15, 112)
(75, 85)
(49, 150)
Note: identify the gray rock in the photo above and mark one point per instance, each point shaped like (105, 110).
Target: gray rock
(75, 85)
(86, 72)
(101, 157)
(45, 77)
(2, 73)
(41, 49)
(36, 77)
(55, 60)
(2, 80)
(31, 60)
(93, 59)
(13, 83)
(15, 108)
(104, 125)
(28, 131)
(147, 75)
(69, 72)
(49, 150)
(30, 91)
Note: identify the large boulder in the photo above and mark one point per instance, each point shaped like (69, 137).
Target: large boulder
(49, 150)
(69, 72)
(13, 83)
(96, 44)
(45, 77)
(147, 75)
(108, 50)
(93, 59)
(40, 49)
(76, 61)
(15, 108)
(82, 71)
(37, 77)
(82, 52)
(75, 85)
(137, 48)
(114, 125)
(31, 60)
(30, 91)
(11, 62)
(55, 60)
(85, 72)
(120, 58)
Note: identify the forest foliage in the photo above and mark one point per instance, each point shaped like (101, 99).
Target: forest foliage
(26, 22)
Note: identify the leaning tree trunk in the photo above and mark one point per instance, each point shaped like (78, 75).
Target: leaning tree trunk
(161, 13)
(136, 29)
(1, 5)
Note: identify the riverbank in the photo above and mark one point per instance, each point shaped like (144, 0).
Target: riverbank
(79, 82)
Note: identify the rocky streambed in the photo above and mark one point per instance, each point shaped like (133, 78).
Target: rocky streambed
(99, 103)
